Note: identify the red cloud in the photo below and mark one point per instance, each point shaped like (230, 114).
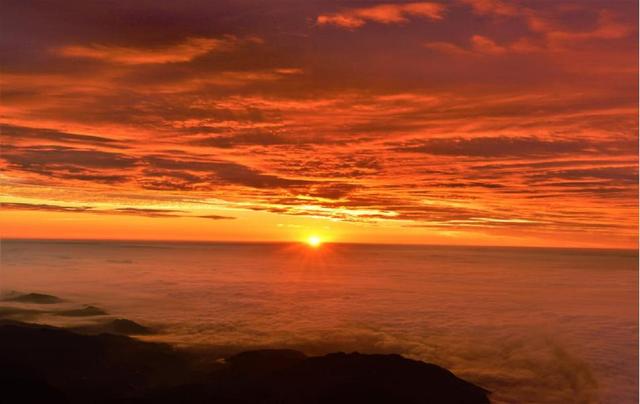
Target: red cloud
(181, 52)
(383, 14)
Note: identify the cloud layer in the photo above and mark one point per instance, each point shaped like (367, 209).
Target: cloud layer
(488, 118)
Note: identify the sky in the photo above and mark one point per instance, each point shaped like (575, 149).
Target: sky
(461, 122)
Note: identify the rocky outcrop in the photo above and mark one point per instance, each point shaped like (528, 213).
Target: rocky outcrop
(54, 365)
(118, 326)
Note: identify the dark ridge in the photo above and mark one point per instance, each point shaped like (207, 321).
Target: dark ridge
(291, 377)
(266, 360)
(27, 385)
(18, 313)
(119, 326)
(86, 311)
(52, 365)
(37, 298)
(127, 327)
(86, 369)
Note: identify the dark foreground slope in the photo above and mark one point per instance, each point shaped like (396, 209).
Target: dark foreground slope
(40, 364)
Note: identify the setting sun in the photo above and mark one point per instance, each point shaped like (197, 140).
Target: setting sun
(314, 241)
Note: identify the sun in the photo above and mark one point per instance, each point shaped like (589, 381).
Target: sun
(314, 241)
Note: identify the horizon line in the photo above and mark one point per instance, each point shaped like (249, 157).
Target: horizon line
(194, 241)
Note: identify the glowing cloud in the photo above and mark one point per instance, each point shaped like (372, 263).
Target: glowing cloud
(383, 14)
(181, 52)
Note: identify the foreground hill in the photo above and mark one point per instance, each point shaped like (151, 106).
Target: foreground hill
(42, 364)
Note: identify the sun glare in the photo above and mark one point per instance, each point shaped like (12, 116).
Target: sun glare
(314, 241)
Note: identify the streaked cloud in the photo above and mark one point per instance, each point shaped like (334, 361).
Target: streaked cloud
(493, 7)
(22, 134)
(383, 14)
(134, 211)
(184, 51)
(547, 31)
(514, 147)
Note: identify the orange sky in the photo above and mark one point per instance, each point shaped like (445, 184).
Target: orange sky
(459, 122)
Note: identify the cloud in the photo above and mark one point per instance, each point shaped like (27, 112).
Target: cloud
(332, 190)
(184, 51)
(383, 14)
(224, 172)
(44, 207)
(503, 146)
(256, 109)
(480, 45)
(40, 157)
(485, 45)
(134, 211)
(548, 32)
(13, 133)
(251, 138)
(216, 217)
(492, 7)
(621, 175)
(150, 212)
(70, 163)
(447, 48)
(607, 28)
(158, 172)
